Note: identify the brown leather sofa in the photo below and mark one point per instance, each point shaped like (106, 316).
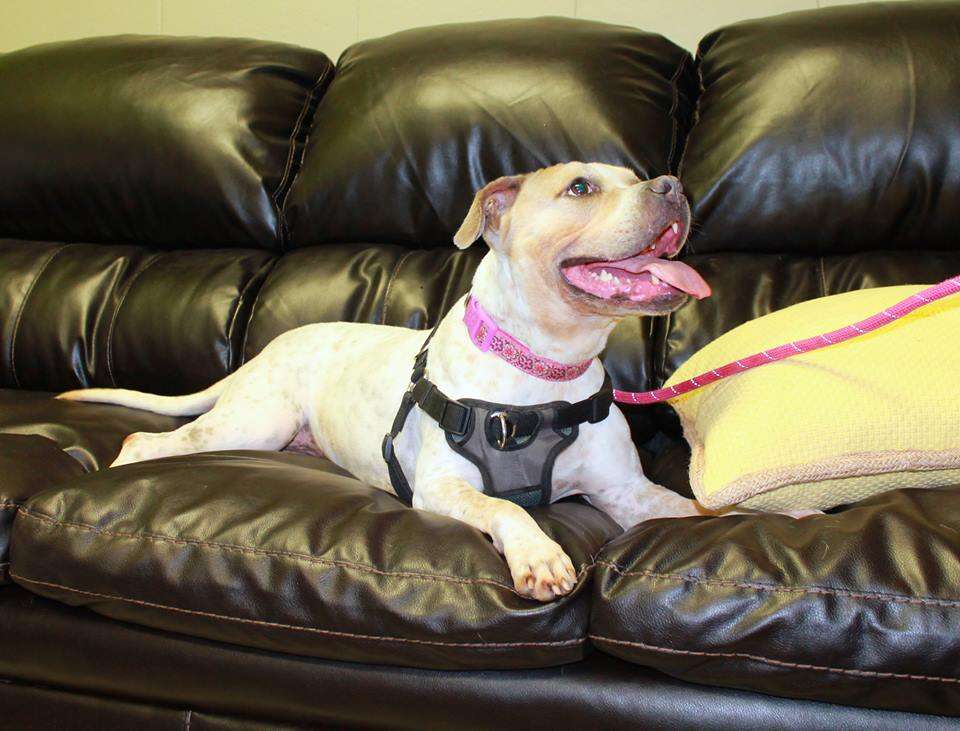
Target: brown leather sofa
(168, 206)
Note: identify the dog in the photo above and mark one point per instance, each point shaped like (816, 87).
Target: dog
(573, 249)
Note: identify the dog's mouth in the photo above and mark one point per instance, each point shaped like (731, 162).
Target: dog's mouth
(642, 277)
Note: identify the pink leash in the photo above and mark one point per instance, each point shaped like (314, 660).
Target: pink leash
(902, 308)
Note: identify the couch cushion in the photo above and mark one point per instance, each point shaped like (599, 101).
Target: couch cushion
(856, 607)
(169, 142)
(80, 315)
(90, 433)
(273, 550)
(28, 465)
(415, 122)
(47, 643)
(831, 130)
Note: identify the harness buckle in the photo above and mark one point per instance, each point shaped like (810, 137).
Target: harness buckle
(455, 418)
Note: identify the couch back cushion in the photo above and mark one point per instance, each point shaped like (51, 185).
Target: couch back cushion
(829, 131)
(415, 122)
(80, 315)
(132, 150)
(166, 142)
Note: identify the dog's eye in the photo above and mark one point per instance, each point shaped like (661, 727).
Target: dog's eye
(580, 187)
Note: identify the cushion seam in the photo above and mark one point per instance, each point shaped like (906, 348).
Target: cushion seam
(675, 124)
(844, 466)
(116, 314)
(235, 315)
(393, 278)
(878, 674)
(272, 264)
(759, 586)
(283, 188)
(159, 538)
(315, 630)
(23, 306)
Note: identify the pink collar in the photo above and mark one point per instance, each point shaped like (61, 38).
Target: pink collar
(487, 336)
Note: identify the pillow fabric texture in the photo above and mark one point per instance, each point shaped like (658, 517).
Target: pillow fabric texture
(833, 426)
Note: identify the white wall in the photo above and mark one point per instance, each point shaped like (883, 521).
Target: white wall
(332, 26)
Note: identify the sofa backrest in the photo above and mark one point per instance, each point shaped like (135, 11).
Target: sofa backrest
(183, 201)
(126, 160)
(825, 157)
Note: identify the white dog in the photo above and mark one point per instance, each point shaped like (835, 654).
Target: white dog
(573, 249)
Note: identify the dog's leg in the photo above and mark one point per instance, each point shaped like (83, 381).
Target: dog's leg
(634, 499)
(258, 410)
(619, 488)
(539, 567)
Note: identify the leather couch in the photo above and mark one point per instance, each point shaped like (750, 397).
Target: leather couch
(168, 206)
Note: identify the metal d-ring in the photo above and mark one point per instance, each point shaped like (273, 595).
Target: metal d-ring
(501, 416)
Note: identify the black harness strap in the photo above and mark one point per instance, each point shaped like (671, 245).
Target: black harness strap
(455, 418)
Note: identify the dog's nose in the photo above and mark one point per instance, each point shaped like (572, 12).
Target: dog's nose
(666, 185)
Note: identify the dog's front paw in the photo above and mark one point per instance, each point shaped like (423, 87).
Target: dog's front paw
(540, 568)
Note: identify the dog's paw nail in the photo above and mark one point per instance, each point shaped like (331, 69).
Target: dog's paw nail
(542, 572)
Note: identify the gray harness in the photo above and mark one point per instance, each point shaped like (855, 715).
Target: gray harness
(514, 447)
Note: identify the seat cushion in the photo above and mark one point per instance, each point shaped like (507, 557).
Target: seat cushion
(28, 465)
(856, 607)
(47, 643)
(90, 433)
(277, 551)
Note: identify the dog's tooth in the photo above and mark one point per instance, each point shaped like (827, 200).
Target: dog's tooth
(675, 227)
(654, 279)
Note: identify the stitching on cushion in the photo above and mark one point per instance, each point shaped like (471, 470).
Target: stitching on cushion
(286, 180)
(155, 537)
(759, 586)
(393, 278)
(779, 663)
(299, 628)
(23, 306)
(116, 314)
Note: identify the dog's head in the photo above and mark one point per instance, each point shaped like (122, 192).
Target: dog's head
(592, 234)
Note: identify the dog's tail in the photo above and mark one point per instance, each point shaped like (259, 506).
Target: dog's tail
(188, 405)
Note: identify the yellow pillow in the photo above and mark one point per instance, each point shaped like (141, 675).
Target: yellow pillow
(835, 425)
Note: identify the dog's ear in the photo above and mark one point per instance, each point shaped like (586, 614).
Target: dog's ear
(487, 209)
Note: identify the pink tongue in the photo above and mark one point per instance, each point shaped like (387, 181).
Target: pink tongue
(679, 275)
